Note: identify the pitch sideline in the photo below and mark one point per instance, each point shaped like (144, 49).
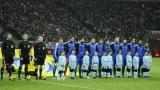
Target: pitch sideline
(65, 85)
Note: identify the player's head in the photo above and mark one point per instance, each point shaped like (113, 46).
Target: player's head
(72, 39)
(129, 52)
(140, 42)
(110, 53)
(61, 40)
(25, 36)
(149, 53)
(93, 40)
(107, 41)
(40, 38)
(146, 44)
(86, 53)
(101, 41)
(95, 53)
(133, 40)
(73, 52)
(63, 53)
(136, 54)
(120, 52)
(125, 41)
(9, 36)
(104, 53)
(117, 39)
(82, 39)
(146, 53)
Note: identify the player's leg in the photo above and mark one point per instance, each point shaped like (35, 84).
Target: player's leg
(99, 69)
(59, 75)
(19, 70)
(128, 72)
(118, 72)
(72, 74)
(114, 67)
(54, 70)
(135, 72)
(123, 67)
(108, 73)
(102, 72)
(105, 72)
(148, 73)
(140, 71)
(26, 70)
(2, 68)
(10, 70)
(10, 67)
(40, 71)
(66, 66)
(94, 73)
(80, 67)
(36, 71)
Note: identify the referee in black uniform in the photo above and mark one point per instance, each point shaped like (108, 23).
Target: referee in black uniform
(25, 55)
(8, 53)
(40, 56)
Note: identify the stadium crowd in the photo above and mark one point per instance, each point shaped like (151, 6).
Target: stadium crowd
(79, 18)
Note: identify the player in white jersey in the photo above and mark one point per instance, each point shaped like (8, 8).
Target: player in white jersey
(61, 65)
(128, 63)
(85, 64)
(147, 60)
(135, 65)
(72, 64)
(104, 59)
(109, 64)
(119, 62)
(95, 62)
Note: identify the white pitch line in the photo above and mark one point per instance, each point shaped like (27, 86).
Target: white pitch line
(66, 85)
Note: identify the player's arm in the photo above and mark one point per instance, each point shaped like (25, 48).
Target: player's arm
(30, 52)
(35, 51)
(20, 47)
(45, 51)
(66, 48)
(3, 49)
(77, 48)
(55, 52)
(13, 49)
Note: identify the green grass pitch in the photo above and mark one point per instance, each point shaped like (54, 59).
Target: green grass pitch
(152, 83)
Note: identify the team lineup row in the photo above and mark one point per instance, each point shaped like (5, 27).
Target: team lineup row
(99, 58)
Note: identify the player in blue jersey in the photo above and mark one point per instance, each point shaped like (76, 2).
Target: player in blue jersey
(59, 48)
(100, 53)
(69, 47)
(124, 48)
(139, 49)
(91, 48)
(115, 48)
(80, 50)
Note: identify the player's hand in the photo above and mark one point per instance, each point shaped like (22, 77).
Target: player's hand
(21, 58)
(14, 57)
(30, 58)
(3, 58)
(35, 59)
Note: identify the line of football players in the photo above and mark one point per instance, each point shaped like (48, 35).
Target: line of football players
(102, 58)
